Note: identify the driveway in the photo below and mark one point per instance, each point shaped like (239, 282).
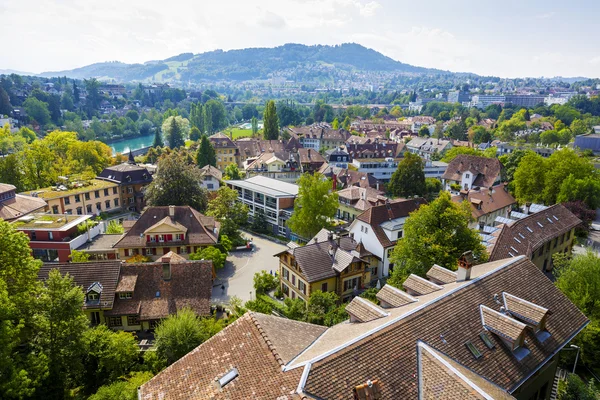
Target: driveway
(240, 267)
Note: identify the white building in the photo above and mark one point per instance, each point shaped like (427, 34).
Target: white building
(211, 178)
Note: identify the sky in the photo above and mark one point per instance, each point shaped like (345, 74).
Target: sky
(506, 38)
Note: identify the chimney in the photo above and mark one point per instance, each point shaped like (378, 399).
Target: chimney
(309, 154)
(329, 236)
(166, 269)
(331, 252)
(465, 263)
(172, 211)
(527, 207)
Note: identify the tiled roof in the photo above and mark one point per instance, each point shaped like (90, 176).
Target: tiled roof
(523, 309)
(487, 169)
(211, 171)
(126, 173)
(255, 147)
(126, 283)
(154, 298)
(441, 274)
(377, 215)
(86, 274)
(347, 177)
(363, 310)
(245, 345)
(440, 377)
(527, 235)
(393, 296)
(199, 230)
(488, 203)
(310, 156)
(220, 140)
(501, 324)
(419, 285)
(386, 351)
(19, 205)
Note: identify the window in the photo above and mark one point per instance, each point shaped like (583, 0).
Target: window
(86, 195)
(115, 190)
(54, 209)
(95, 317)
(486, 339)
(129, 190)
(293, 279)
(99, 206)
(106, 192)
(77, 198)
(131, 200)
(301, 286)
(366, 230)
(97, 194)
(88, 208)
(67, 200)
(33, 235)
(286, 274)
(50, 235)
(79, 210)
(133, 320)
(153, 324)
(210, 186)
(126, 295)
(116, 201)
(350, 284)
(474, 350)
(69, 211)
(107, 204)
(92, 296)
(115, 321)
(467, 176)
(324, 287)
(178, 237)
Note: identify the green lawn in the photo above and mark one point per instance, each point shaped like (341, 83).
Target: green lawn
(237, 133)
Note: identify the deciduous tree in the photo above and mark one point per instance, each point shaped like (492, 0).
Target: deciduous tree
(232, 213)
(314, 207)
(270, 122)
(409, 178)
(210, 253)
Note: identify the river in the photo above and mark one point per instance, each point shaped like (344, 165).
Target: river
(124, 146)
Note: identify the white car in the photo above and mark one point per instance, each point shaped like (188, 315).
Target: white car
(595, 226)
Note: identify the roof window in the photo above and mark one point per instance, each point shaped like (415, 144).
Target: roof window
(487, 340)
(541, 226)
(473, 349)
(228, 377)
(513, 249)
(529, 229)
(517, 240)
(554, 216)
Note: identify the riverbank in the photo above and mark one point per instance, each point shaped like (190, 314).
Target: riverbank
(131, 144)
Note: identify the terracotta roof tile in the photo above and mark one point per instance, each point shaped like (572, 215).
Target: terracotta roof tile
(363, 310)
(501, 324)
(441, 274)
(394, 297)
(499, 199)
(419, 285)
(524, 310)
(487, 169)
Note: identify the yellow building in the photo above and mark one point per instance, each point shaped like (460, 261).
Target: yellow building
(226, 151)
(354, 200)
(326, 263)
(80, 197)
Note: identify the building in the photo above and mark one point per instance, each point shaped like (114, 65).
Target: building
(160, 230)
(471, 171)
(426, 147)
(211, 178)
(379, 229)
(282, 166)
(523, 100)
(52, 237)
(250, 148)
(271, 197)
(225, 150)
(132, 179)
(482, 100)
(149, 292)
(434, 169)
(467, 338)
(537, 236)
(13, 205)
(338, 157)
(328, 263)
(590, 141)
(343, 178)
(319, 136)
(458, 96)
(81, 197)
(381, 169)
(355, 200)
(310, 160)
(487, 204)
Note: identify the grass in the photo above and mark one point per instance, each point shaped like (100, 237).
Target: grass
(238, 133)
(86, 186)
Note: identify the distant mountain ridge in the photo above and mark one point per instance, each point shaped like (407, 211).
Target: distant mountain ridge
(295, 61)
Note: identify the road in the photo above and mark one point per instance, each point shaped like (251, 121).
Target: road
(238, 273)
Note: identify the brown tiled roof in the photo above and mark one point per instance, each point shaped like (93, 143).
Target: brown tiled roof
(487, 169)
(394, 296)
(363, 310)
(190, 286)
(347, 177)
(354, 193)
(220, 140)
(523, 309)
(254, 147)
(243, 345)
(199, 230)
(126, 283)
(419, 285)
(85, 274)
(527, 235)
(377, 215)
(440, 377)
(489, 203)
(311, 156)
(18, 205)
(126, 173)
(212, 171)
(441, 274)
(501, 324)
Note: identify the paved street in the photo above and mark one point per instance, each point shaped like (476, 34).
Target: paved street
(240, 268)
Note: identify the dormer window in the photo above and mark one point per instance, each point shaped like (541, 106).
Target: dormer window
(125, 295)
(92, 296)
(467, 176)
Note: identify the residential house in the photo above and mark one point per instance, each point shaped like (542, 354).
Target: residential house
(13, 205)
(80, 197)
(379, 229)
(319, 136)
(282, 166)
(469, 171)
(378, 158)
(52, 237)
(338, 157)
(487, 204)
(211, 178)
(310, 160)
(132, 179)
(97, 279)
(149, 292)
(492, 331)
(225, 150)
(355, 200)
(271, 197)
(328, 263)
(427, 147)
(160, 230)
(343, 178)
(537, 236)
(250, 148)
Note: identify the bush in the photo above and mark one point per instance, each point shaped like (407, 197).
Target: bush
(264, 282)
(259, 305)
(138, 258)
(114, 228)
(210, 253)
(79, 256)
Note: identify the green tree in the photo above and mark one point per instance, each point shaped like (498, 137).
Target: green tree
(232, 172)
(208, 121)
(231, 213)
(295, 309)
(409, 178)
(578, 127)
(37, 110)
(123, 389)
(580, 282)
(323, 309)
(559, 166)
(586, 190)
(206, 153)
(437, 233)
(79, 256)
(346, 123)
(108, 355)
(177, 183)
(270, 122)
(210, 253)
(529, 182)
(158, 141)
(195, 134)
(335, 124)
(455, 151)
(264, 282)
(433, 187)
(60, 324)
(573, 388)
(314, 207)
(114, 228)
(176, 129)
(259, 222)
(180, 333)
(510, 162)
(424, 131)
(254, 124)
(132, 115)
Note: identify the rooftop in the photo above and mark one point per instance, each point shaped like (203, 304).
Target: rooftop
(269, 186)
(59, 191)
(55, 222)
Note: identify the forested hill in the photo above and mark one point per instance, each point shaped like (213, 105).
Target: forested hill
(290, 61)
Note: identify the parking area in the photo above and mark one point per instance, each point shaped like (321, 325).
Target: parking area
(238, 273)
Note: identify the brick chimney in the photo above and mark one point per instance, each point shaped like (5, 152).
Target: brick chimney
(172, 211)
(166, 269)
(465, 263)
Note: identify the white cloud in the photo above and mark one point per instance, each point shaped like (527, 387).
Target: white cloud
(545, 15)
(595, 61)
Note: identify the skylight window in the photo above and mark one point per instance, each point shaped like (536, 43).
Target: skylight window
(228, 377)
(541, 226)
(473, 349)
(511, 254)
(554, 216)
(549, 220)
(517, 240)
(529, 229)
(522, 237)
(513, 249)
(487, 340)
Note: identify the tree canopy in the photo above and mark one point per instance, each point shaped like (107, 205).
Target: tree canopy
(206, 153)
(270, 122)
(176, 129)
(314, 206)
(226, 208)
(409, 178)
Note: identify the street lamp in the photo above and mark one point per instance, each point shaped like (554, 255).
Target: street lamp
(576, 356)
